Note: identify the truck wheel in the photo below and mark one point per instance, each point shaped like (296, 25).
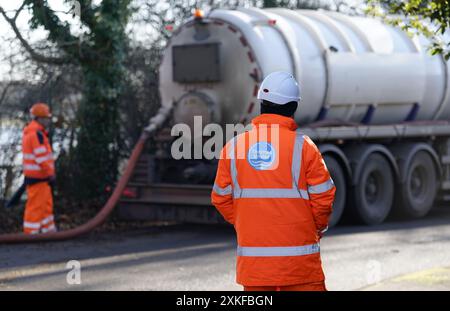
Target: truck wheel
(374, 192)
(418, 193)
(338, 176)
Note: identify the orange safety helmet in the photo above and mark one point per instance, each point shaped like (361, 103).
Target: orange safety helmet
(198, 14)
(40, 110)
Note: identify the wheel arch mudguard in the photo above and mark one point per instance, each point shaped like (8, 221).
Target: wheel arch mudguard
(340, 156)
(357, 155)
(405, 152)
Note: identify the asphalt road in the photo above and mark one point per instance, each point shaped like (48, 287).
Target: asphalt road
(395, 255)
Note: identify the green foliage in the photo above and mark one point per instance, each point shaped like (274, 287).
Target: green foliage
(100, 50)
(436, 15)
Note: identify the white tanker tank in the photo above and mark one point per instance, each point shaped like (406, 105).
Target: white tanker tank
(373, 99)
(350, 68)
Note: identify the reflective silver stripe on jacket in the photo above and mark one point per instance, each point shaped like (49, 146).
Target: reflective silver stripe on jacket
(44, 158)
(222, 191)
(293, 192)
(39, 150)
(47, 220)
(236, 188)
(297, 158)
(29, 156)
(278, 250)
(320, 188)
(32, 225)
(270, 193)
(31, 167)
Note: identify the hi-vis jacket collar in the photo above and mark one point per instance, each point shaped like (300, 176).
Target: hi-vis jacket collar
(270, 118)
(34, 126)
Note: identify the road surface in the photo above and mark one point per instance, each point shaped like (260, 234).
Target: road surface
(395, 255)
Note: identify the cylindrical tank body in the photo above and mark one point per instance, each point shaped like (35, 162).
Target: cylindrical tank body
(350, 68)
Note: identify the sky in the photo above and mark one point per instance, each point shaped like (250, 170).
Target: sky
(57, 5)
(8, 5)
(22, 23)
(139, 31)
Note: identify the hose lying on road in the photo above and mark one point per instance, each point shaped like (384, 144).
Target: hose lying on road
(101, 216)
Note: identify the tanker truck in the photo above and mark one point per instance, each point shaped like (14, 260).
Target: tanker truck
(374, 101)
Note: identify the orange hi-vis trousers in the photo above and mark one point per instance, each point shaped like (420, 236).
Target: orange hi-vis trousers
(315, 286)
(38, 217)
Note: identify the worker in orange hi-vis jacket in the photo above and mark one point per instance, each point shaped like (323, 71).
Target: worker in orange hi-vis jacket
(39, 171)
(274, 187)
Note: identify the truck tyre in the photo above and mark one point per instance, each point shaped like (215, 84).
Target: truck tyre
(337, 173)
(418, 192)
(373, 194)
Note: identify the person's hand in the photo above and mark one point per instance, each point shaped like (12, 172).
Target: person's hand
(52, 180)
(321, 232)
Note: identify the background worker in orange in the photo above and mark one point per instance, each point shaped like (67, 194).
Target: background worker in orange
(39, 171)
(278, 194)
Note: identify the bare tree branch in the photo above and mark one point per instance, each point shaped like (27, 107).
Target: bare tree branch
(4, 92)
(35, 55)
(19, 10)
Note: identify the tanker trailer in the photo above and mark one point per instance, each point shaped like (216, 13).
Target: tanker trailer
(373, 100)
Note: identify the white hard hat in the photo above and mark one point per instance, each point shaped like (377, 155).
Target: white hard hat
(279, 87)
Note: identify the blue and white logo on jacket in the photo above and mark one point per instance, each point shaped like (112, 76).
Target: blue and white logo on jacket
(261, 156)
